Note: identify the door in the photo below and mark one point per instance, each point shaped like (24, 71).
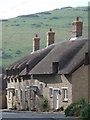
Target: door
(56, 99)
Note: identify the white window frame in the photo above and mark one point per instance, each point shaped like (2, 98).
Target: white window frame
(16, 93)
(31, 94)
(26, 94)
(51, 91)
(21, 94)
(41, 87)
(65, 93)
(9, 94)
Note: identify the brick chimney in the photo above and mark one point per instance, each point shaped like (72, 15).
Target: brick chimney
(36, 43)
(77, 27)
(50, 37)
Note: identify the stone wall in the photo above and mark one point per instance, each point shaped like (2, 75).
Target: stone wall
(80, 85)
(54, 81)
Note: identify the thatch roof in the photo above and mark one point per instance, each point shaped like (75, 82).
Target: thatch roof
(69, 54)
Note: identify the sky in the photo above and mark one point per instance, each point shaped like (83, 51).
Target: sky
(13, 8)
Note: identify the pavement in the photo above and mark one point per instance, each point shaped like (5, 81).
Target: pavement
(28, 115)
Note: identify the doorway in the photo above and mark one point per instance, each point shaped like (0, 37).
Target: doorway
(56, 98)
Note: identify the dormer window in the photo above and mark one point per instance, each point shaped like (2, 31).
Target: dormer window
(55, 67)
(87, 59)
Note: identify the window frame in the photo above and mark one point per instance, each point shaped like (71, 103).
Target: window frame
(51, 92)
(21, 94)
(65, 94)
(41, 87)
(31, 94)
(16, 93)
(26, 94)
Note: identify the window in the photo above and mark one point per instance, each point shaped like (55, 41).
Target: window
(11, 79)
(21, 93)
(8, 94)
(55, 67)
(15, 80)
(87, 61)
(25, 93)
(65, 93)
(8, 80)
(31, 94)
(13, 93)
(19, 79)
(51, 92)
(41, 88)
(16, 93)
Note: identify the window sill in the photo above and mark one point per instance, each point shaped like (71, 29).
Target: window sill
(65, 100)
(41, 95)
(51, 96)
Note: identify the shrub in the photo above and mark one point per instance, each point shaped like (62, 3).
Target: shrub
(29, 16)
(44, 105)
(76, 110)
(45, 13)
(71, 109)
(59, 109)
(18, 52)
(44, 102)
(85, 113)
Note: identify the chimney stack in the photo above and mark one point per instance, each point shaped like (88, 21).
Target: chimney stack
(50, 37)
(36, 43)
(77, 27)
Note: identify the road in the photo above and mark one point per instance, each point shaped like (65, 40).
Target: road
(33, 116)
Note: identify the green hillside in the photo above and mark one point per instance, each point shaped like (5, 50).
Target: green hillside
(17, 33)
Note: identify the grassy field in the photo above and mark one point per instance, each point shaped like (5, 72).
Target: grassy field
(17, 33)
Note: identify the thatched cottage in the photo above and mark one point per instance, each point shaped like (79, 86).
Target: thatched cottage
(58, 72)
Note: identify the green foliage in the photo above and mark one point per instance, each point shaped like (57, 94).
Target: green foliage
(44, 103)
(85, 113)
(74, 108)
(18, 32)
(59, 109)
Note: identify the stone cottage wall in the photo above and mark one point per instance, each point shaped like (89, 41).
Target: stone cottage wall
(80, 84)
(55, 81)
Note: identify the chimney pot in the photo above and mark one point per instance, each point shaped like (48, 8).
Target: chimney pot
(77, 19)
(36, 35)
(50, 29)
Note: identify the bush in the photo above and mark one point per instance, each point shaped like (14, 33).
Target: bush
(18, 52)
(44, 105)
(73, 107)
(59, 109)
(85, 113)
(76, 110)
(44, 102)
(69, 109)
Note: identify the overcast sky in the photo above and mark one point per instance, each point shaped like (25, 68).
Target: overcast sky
(13, 8)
